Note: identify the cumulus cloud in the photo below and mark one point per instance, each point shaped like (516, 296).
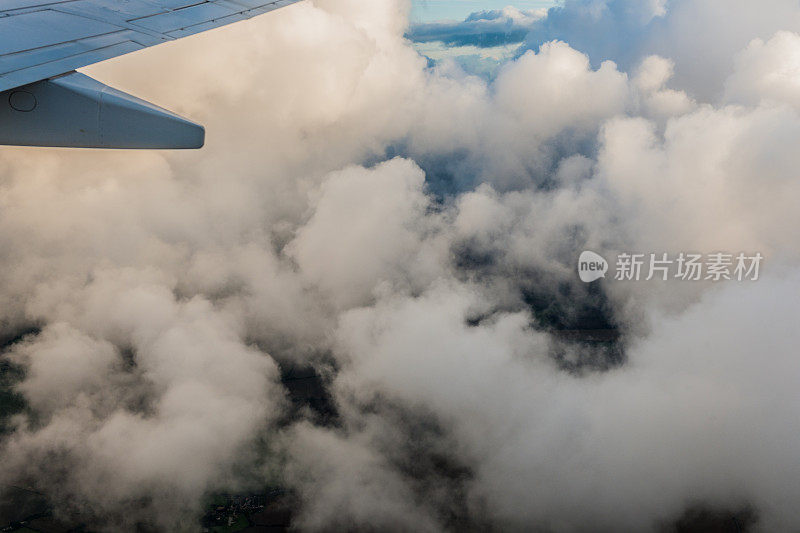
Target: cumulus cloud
(682, 423)
(410, 231)
(140, 395)
(767, 71)
(677, 30)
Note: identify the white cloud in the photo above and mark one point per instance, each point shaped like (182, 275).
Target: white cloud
(167, 287)
(767, 71)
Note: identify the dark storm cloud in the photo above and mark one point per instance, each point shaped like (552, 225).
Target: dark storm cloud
(481, 29)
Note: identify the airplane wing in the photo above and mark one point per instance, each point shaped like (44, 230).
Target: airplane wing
(43, 102)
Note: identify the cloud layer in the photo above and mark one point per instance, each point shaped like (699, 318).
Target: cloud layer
(411, 232)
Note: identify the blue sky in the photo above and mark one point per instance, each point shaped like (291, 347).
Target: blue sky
(458, 9)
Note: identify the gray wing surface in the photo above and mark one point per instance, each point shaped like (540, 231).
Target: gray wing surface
(40, 40)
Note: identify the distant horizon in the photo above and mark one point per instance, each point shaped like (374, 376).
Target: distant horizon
(427, 10)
